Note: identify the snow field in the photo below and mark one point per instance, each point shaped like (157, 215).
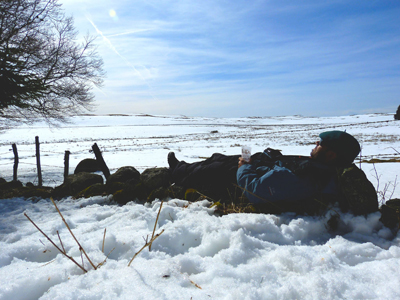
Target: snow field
(238, 256)
(199, 255)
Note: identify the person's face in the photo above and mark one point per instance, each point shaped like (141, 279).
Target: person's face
(322, 153)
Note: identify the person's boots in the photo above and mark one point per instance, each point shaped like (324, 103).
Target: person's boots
(172, 161)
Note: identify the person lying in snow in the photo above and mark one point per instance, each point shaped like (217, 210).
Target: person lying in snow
(287, 183)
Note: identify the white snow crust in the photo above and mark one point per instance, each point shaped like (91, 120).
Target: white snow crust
(199, 255)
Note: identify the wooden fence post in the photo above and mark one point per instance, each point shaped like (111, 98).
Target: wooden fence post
(101, 161)
(66, 165)
(16, 161)
(39, 169)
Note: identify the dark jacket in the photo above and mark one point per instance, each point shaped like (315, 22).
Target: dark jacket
(287, 179)
(217, 171)
(276, 183)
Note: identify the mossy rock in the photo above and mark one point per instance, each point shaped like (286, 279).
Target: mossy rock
(97, 189)
(125, 174)
(129, 193)
(139, 192)
(75, 184)
(390, 213)
(176, 192)
(160, 193)
(27, 192)
(112, 187)
(358, 193)
(123, 196)
(10, 185)
(155, 178)
(37, 192)
(60, 192)
(88, 165)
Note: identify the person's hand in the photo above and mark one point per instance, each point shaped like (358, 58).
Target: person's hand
(242, 162)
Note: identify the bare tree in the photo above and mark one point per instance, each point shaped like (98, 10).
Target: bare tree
(44, 71)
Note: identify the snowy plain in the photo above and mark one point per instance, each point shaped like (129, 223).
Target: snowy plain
(199, 255)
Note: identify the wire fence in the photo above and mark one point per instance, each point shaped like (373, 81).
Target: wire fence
(16, 162)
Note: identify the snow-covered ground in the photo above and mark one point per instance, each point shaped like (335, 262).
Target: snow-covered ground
(199, 255)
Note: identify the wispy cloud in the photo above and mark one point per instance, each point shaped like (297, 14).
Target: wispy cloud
(128, 32)
(279, 57)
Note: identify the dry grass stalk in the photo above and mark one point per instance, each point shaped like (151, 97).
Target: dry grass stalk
(394, 187)
(70, 231)
(62, 251)
(382, 193)
(202, 196)
(104, 238)
(155, 224)
(103, 262)
(80, 247)
(60, 241)
(83, 264)
(48, 263)
(147, 244)
(377, 178)
(195, 284)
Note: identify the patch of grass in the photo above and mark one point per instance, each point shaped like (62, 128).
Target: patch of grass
(232, 208)
(377, 160)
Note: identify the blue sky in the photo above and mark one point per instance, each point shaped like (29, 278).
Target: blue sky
(245, 58)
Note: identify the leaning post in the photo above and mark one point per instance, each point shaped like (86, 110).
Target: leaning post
(39, 169)
(16, 161)
(101, 161)
(66, 165)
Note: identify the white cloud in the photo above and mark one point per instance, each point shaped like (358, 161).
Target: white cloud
(215, 55)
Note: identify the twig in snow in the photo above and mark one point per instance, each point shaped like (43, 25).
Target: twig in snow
(48, 263)
(155, 224)
(195, 284)
(103, 262)
(104, 238)
(386, 187)
(63, 252)
(394, 187)
(147, 244)
(377, 179)
(82, 259)
(60, 241)
(70, 231)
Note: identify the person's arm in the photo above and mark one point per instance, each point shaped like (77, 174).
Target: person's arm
(274, 185)
(248, 180)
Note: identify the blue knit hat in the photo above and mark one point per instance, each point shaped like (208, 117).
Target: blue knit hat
(342, 143)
